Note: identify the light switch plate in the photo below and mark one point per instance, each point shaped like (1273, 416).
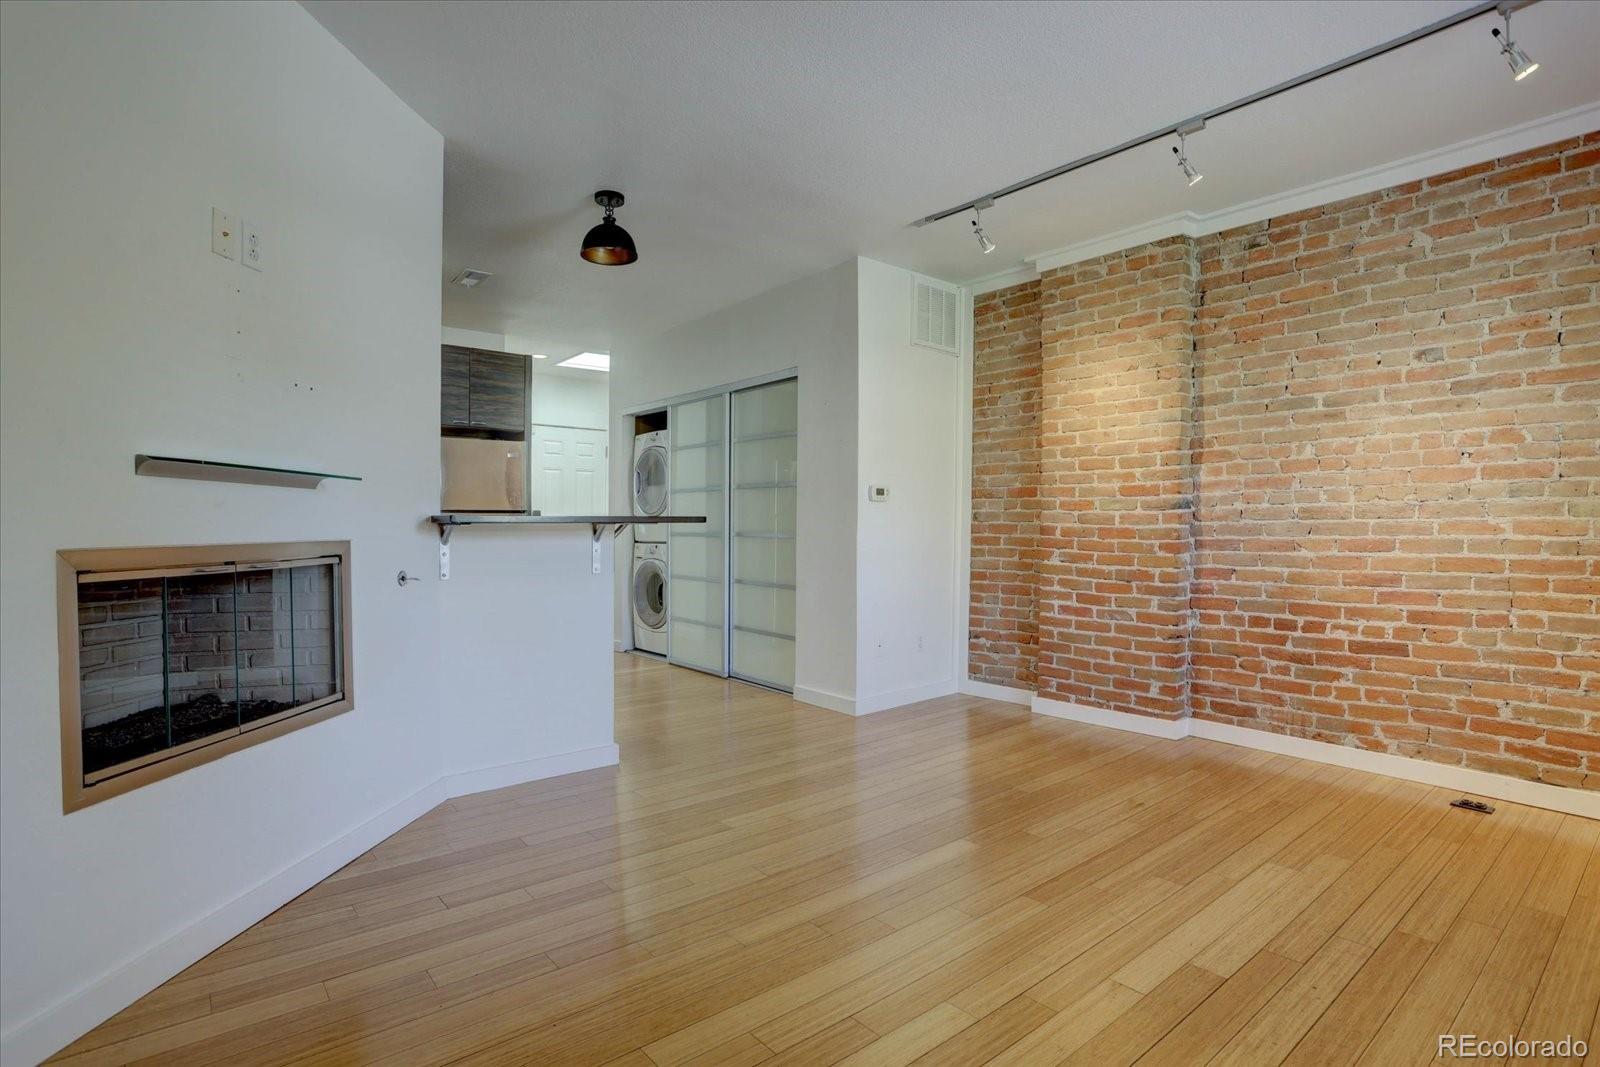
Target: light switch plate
(224, 234)
(250, 245)
(877, 494)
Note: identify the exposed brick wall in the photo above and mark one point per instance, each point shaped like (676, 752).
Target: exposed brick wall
(1392, 446)
(1117, 345)
(1399, 457)
(1003, 643)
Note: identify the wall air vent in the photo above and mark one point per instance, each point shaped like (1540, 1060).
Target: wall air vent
(935, 315)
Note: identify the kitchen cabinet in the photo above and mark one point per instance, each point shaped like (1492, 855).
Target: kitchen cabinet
(483, 390)
(453, 396)
(497, 392)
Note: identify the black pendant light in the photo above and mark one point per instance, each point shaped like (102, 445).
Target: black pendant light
(608, 244)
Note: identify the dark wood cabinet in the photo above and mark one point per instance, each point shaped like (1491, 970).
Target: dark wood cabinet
(498, 392)
(483, 390)
(453, 410)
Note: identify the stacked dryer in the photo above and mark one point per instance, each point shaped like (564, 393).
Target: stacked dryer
(651, 495)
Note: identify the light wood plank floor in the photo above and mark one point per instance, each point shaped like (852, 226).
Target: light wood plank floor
(763, 882)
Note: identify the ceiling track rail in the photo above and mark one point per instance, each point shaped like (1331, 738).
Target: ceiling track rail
(1197, 122)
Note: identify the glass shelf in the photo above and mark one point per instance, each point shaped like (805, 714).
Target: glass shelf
(211, 470)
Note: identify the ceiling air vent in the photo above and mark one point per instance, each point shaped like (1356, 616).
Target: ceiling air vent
(935, 315)
(470, 277)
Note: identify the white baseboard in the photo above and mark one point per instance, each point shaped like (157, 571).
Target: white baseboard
(1582, 802)
(991, 691)
(1172, 729)
(899, 698)
(501, 775)
(823, 699)
(51, 1029)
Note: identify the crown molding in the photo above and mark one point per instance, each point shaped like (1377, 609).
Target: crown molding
(1185, 223)
(1004, 279)
(1520, 138)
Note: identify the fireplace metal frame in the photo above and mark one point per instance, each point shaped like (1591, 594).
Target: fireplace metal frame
(75, 566)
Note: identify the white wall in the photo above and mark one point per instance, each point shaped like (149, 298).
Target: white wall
(525, 630)
(120, 332)
(567, 400)
(810, 325)
(455, 335)
(906, 546)
(876, 604)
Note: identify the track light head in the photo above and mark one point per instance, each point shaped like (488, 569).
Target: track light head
(1518, 60)
(977, 228)
(1181, 150)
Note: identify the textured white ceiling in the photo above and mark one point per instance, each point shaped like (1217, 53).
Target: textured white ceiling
(758, 141)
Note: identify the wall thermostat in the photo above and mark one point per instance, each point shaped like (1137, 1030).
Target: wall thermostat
(877, 493)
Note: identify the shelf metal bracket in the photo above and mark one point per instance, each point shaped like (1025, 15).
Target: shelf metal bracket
(595, 530)
(445, 529)
(448, 521)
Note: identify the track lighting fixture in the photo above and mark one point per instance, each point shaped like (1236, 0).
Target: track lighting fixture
(1181, 150)
(977, 227)
(608, 244)
(1521, 66)
(1518, 60)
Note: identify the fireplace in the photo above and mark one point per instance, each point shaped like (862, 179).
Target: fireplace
(171, 657)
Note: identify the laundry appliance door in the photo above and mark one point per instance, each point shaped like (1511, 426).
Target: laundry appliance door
(650, 481)
(650, 593)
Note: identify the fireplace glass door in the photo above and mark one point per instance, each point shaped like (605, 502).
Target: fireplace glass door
(170, 660)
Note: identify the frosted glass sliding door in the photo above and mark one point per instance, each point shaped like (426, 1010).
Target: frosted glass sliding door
(697, 591)
(765, 425)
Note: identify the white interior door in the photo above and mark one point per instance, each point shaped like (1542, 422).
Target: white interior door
(765, 427)
(697, 564)
(569, 470)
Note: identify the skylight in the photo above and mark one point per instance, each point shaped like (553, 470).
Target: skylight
(599, 361)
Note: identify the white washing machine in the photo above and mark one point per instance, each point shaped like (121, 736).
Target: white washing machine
(650, 597)
(650, 489)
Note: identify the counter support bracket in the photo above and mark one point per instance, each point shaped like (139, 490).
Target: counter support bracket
(597, 523)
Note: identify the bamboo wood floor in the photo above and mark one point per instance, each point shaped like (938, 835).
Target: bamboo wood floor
(763, 882)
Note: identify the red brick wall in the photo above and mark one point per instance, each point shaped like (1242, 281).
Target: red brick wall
(1117, 344)
(1005, 482)
(1392, 447)
(1398, 404)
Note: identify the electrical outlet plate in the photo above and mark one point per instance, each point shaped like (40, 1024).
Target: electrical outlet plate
(250, 245)
(224, 234)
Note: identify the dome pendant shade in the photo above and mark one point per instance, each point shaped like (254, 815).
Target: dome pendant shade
(608, 244)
